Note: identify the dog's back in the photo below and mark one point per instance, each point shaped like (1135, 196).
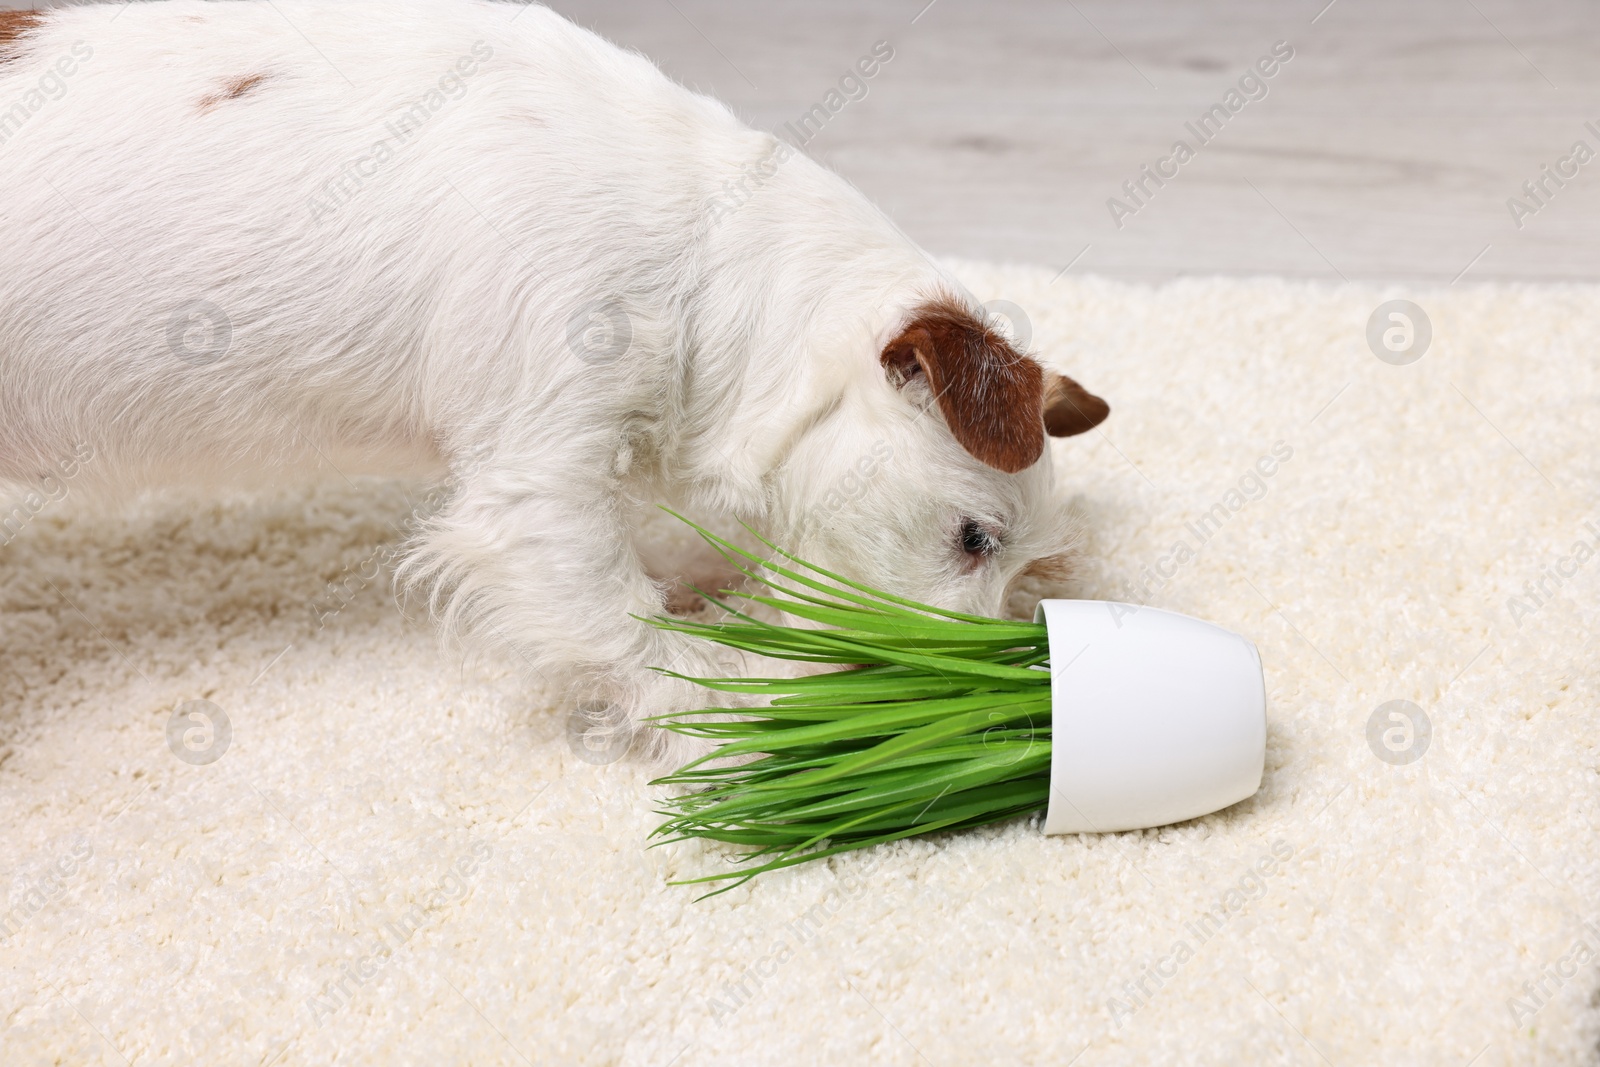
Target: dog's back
(236, 233)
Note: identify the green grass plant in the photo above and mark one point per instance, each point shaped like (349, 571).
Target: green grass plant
(923, 720)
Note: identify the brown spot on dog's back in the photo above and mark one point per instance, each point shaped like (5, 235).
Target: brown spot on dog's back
(232, 89)
(13, 24)
(990, 394)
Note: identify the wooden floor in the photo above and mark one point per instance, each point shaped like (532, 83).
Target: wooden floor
(1387, 148)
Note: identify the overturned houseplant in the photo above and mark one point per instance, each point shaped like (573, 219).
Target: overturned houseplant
(1105, 716)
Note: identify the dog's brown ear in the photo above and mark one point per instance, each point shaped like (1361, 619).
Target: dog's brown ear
(1069, 408)
(989, 393)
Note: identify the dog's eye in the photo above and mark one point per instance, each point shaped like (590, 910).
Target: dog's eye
(977, 541)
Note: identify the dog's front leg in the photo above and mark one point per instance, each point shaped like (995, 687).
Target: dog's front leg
(543, 564)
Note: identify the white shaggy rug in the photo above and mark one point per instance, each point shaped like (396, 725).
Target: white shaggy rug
(401, 858)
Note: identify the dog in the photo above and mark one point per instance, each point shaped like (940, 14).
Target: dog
(245, 241)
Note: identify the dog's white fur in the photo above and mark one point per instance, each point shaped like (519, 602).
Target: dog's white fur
(424, 314)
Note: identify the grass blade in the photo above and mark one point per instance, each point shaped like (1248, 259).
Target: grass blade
(939, 721)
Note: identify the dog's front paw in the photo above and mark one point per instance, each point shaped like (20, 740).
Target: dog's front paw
(598, 734)
(620, 716)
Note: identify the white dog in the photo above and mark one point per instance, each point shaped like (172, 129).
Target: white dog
(242, 240)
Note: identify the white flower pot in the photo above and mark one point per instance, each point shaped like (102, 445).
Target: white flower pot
(1156, 717)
